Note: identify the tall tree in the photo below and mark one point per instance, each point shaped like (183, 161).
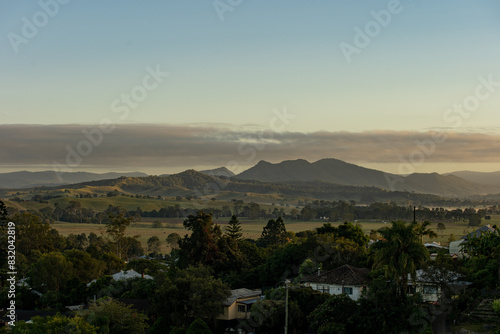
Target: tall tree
(116, 228)
(154, 244)
(400, 253)
(274, 233)
(201, 245)
(233, 231)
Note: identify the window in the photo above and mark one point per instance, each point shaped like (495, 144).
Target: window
(347, 290)
(323, 288)
(430, 289)
(242, 309)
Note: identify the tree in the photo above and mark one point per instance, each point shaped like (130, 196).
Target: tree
(334, 315)
(441, 227)
(381, 310)
(3, 211)
(188, 292)
(160, 326)
(116, 228)
(198, 327)
(54, 324)
(154, 244)
(157, 224)
(347, 231)
(475, 220)
(34, 235)
(274, 233)
(400, 253)
(84, 265)
(421, 230)
(201, 246)
(113, 317)
(233, 231)
(173, 240)
(484, 261)
(51, 272)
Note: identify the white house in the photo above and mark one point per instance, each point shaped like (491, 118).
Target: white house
(345, 279)
(125, 274)
(429, 283)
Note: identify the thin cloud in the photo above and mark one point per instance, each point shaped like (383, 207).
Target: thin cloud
(188, 146)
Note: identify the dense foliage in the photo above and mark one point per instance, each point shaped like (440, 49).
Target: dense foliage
(192, 282)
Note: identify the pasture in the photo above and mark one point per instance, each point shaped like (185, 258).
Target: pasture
(251, 228)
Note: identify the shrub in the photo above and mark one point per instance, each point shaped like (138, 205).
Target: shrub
(198, 327)
(496, 305)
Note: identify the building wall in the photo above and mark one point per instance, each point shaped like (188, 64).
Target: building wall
(430, 292)
(231, 312)
(456, 247)
(334, 289)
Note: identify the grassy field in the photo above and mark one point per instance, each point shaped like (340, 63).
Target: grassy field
(251, 228)
(130, 203)
(144, 229)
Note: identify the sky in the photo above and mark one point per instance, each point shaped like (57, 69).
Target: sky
(162, 86)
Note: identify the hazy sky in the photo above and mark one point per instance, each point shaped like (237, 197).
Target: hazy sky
(273, 71)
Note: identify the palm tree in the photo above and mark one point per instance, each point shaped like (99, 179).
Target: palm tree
(421, 230)
(400, 253)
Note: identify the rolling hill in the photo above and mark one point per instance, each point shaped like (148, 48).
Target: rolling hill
(191, 182)
(24, 179)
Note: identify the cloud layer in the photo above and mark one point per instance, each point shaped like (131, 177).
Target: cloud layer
(174, 147)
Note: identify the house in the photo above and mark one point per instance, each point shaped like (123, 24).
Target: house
(125, 274)
(434, 248)
(345, 279)
(429, 284)
(456, 247)
(237, 306)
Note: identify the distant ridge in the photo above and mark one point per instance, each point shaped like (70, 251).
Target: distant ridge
(191, 182)
(25, 179)
(221, 171)
(490, 178)
(343, 173)
(327, 170)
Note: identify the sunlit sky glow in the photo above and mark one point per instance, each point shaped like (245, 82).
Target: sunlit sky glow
(235, 74)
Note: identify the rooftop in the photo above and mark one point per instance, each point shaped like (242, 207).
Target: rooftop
(242, 294)
(344, 275)
(477, 233)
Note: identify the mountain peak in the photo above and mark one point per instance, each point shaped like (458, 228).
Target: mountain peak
(343, 173)
(221, 171)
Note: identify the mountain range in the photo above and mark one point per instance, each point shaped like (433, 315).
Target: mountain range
(343, 173)
(322, 174)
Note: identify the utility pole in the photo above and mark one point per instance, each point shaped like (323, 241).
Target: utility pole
(286, 306)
